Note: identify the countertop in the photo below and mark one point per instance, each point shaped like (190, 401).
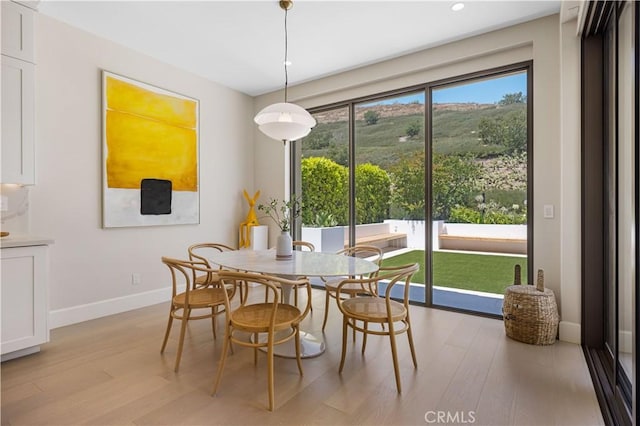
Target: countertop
(19, 240)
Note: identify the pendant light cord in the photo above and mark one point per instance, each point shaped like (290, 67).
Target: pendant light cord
(286, 51)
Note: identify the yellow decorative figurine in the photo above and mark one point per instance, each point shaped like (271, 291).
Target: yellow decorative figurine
(250, 221)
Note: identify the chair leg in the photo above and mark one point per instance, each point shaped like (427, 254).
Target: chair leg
(166, 334)
(353, 330)
(413, 349)
(364, 337)
(326, 309)
(394, 355)
(270, 371)
(223, 357)
(344, 342)
(214, 314)
(183, 329)
(298, 355)
(255, 349)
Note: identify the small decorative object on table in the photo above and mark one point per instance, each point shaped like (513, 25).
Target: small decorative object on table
(530, 313)
(282, 213)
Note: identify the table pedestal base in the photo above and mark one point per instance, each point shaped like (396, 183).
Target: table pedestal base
(310, 346)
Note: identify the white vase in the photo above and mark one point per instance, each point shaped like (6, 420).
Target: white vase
(284, 246)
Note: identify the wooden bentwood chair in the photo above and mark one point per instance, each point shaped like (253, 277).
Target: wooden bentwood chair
(200, 252)
(380, 310)
(275, 322)
(303, 246)
(210, 297)
(373, 254)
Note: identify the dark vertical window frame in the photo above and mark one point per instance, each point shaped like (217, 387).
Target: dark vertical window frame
(616, 394)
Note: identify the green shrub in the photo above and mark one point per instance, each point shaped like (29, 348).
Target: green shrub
(491, 212)
(324, 190)
(373, 194)
(323, 219)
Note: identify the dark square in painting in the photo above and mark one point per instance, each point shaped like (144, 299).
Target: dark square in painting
(155, 196)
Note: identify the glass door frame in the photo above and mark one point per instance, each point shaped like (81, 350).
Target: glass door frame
(296, 156)
(526, 66)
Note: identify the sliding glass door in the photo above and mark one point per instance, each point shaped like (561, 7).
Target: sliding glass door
(366, 174)
(479, 188)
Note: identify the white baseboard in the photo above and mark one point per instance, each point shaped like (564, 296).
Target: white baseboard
(103, 308)
(570, 332)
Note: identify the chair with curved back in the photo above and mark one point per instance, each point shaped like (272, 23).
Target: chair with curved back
(183, 303)
(303, 246)
(199, 252)
(270, 323)
(379, 309)
(369, 252)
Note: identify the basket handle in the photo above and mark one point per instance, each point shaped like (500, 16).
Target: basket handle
(517, 280)
(540, 281)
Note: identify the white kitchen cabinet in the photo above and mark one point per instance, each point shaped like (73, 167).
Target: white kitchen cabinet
(17, 31)
(18, 116)
(24, 300)
(18, 94)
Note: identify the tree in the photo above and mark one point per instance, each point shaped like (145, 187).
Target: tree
(318, 140)
(339, 154)
(509, 130)
(407, 186)
(371, 117)
(414, 129)
(513, 98)
(453, 180)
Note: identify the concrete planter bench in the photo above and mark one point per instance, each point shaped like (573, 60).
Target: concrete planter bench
(332, 239)
(484, 237)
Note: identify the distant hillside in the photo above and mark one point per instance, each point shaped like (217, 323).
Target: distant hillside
(395, 110)
(455, 130)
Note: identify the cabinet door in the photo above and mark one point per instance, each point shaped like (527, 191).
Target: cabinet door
(24, 297)
(17, 31)
(18, 105)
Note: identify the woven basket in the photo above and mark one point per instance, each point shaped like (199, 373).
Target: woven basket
(530, 313)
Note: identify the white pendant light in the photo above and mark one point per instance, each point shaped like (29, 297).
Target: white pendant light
(285, 121)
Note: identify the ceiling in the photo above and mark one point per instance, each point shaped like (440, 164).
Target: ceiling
(240, 44)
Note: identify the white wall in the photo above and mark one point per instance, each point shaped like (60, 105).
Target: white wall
(91, 267)
(537, 40)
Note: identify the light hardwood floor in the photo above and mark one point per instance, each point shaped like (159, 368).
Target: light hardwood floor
(109, 372)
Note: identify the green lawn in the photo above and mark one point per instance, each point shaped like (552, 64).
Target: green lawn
(478, 272)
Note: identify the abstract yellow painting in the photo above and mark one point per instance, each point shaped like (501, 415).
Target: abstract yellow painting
(150, 150)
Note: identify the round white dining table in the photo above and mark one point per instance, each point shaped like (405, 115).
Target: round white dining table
(302, 263)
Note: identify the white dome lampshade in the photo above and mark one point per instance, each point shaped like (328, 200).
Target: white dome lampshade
(285, 121)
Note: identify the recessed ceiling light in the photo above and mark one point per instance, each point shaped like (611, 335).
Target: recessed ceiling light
(458, 6)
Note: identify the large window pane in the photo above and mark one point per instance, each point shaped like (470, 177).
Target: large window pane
(324, 168)
(627, 190)
(479, 190)
(390, 180)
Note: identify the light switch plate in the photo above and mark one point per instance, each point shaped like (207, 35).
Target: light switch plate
(548, 211)
(4, 203)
